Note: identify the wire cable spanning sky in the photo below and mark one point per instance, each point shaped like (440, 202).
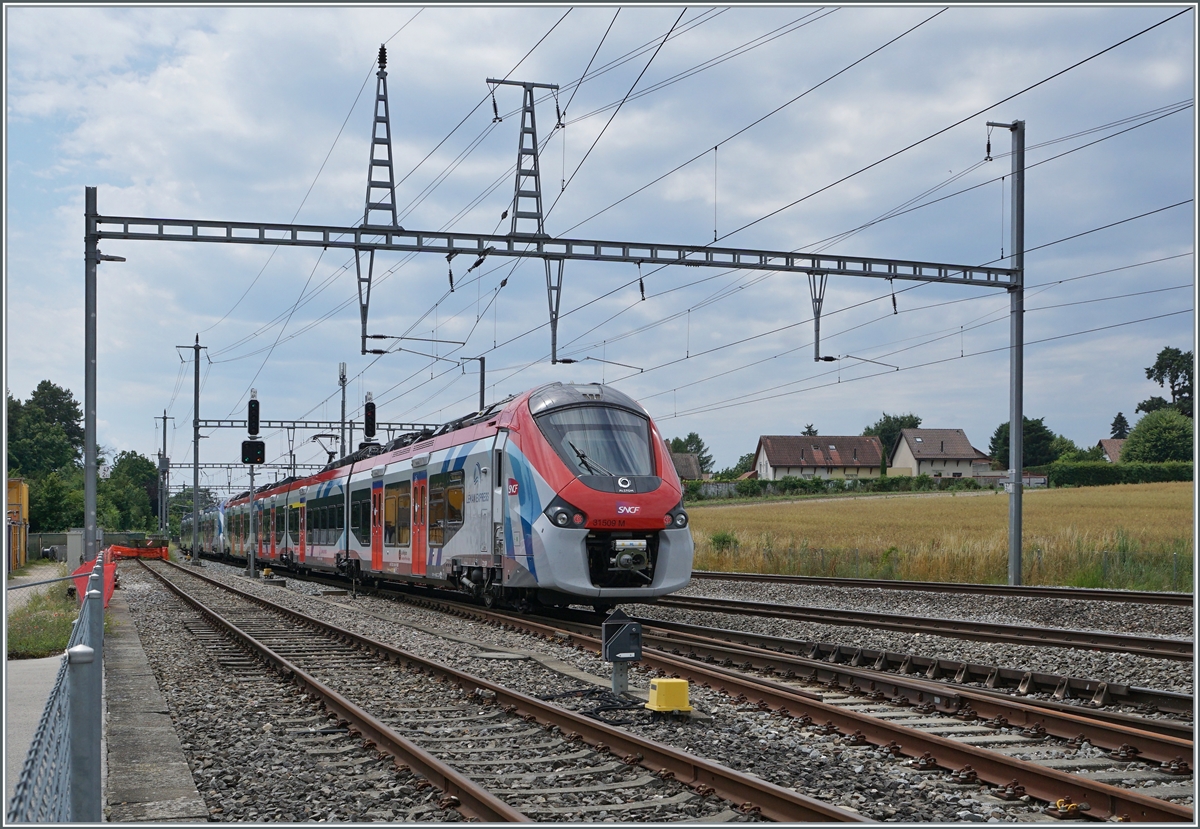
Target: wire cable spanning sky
(868, 124)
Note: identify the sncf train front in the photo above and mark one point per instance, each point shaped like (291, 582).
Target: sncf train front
(591, 508)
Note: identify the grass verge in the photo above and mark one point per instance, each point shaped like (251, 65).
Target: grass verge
(42, 626)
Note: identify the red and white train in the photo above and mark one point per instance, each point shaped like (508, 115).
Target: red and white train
(565, 494)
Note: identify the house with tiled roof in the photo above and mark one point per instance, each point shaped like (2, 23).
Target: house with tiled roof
(1111, 447)
(803, 456)
(939, 453)
(687, 466)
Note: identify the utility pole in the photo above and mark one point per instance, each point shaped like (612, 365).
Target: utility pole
(342, 383)
(195, 453)
(1016, 370)
(91, 257)
(164, 478)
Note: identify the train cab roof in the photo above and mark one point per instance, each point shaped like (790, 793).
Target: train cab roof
(561, 395)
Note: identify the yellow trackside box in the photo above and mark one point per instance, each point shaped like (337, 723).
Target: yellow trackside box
(668, 695)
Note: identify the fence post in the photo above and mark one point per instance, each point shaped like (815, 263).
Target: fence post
(84, 728)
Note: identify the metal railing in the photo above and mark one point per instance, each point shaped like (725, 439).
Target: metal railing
(60, 780)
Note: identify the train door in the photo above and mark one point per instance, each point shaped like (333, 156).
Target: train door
(420, 502)
(303, 526)
(274, 529)
(260, 529)
(377, 524)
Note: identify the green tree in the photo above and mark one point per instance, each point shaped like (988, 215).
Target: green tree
(61, 408)
(1172, 370)
(49, 511)
(810, 431)
(36, 446)
(1120, 427)
(692, 444)
(1036, 440)
(888, 427)
(1163, 435)
(745, 464)
(1063, 447)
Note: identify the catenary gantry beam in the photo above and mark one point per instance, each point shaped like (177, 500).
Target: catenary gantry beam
(324, 425)
(382, 238)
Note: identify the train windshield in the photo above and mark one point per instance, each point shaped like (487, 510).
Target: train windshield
(598, 440)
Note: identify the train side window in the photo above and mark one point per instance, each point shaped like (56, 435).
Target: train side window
(294, 523)
(280, 517)
(390, 507)
(341, 523)
(454, 504)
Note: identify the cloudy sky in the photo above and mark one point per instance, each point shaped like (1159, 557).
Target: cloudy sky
(825, 121)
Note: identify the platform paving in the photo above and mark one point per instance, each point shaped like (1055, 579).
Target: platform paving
(148, 778)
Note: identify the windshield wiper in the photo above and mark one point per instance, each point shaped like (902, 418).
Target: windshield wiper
(590, 464)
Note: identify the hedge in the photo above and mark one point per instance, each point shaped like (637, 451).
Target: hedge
(1100, 473)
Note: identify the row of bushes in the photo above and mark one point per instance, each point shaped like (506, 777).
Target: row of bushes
(1101, 473)
(790, 485)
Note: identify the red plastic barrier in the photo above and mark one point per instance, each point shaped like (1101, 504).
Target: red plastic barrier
(138, 552)
(85, 571)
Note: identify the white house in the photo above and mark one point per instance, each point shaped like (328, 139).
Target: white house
(939, 453)
(802, 456)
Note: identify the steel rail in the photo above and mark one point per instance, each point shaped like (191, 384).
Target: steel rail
(774, 802)
(1160, 748)
(1095, 691)
(1046, 784)
(1021, 591)
(474, 800)
(1161, 648)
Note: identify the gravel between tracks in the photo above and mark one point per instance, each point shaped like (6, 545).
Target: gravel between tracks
(1172, 621)
(239, 733)
(1146, 672)
(742, 737)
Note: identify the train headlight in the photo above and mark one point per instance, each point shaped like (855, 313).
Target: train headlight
(562, 514)
(676, 518)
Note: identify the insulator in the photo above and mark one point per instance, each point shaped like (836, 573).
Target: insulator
(382, 57)
(451, 272)
(642, 288)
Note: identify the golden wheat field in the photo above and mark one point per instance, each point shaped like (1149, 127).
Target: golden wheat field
(1113, 536)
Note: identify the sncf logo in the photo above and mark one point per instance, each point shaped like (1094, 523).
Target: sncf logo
(628, 509)
(513, 487)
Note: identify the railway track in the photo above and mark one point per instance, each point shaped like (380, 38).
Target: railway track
(496, 754)
(1061, 687)
(1158, 647)
(930, 734)
(1093, 692)
(1020, 591)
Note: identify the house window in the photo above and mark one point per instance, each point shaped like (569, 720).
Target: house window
(957, 474)
(937, 474)
(919, 440)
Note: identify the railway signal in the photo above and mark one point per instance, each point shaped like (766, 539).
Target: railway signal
(369, 419)
(253, 451)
